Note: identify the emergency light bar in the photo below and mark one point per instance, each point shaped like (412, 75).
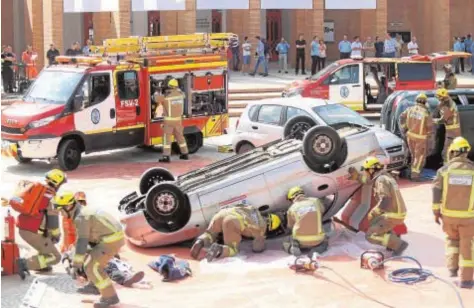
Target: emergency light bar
(79, 60)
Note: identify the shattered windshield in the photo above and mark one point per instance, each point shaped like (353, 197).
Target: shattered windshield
(53, 87)
(337, 113)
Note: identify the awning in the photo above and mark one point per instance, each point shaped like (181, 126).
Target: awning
(78, 6)
(222, 4)
(158, 5)
(286, 4)
(350, 4)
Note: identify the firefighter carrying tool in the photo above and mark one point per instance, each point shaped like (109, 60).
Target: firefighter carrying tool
(453, 190)
(305, 219)
(38, 223)
(390, 210)
(417, 122)
(234, 223)
(104, 234)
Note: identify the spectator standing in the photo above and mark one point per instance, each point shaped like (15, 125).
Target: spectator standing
(472, 58)
(28, 57)
(300, 55)
(267, 52)
(246, 55)
(86, 50)
(315, 53)
(379, 47)
(52, 54)
(399, 43)
(389, 47)
(282, 49)
(413, 47)
(369, 48)
(356, 47)
(345, 48)
(322, 53)
(8, 59)
(74, 50)
(468, 43)
(235, 48)
(458, 46)
(260, 55)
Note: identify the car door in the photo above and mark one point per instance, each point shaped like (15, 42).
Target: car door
(346, 86)
(466, 114)
(267, 124)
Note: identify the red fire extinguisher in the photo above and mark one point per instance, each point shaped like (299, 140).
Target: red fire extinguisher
(9, 228)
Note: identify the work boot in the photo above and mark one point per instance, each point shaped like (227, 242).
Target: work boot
(107, 302)
(465, 284)
(400, 250)
(214, 252)
(89, 289)
(184, 156)
(45, 270)
(22, 268)
(252, 74)
(137, 277)
(453, 272)
(196, 249)
(164, 159)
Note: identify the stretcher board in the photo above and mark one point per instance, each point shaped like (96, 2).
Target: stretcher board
(34, 295)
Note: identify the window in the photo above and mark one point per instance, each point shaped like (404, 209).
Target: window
(100, 88)
(456, 99)
(252, 111)
(270, 114)
(415, 71)
(128, 86)
(470, 99)
(347, 74)
(54, 87)
(337, 113)
(293, 112)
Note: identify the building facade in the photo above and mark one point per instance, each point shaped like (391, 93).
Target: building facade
(41, 22)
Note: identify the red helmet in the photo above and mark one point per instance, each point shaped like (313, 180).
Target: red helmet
(80, 196)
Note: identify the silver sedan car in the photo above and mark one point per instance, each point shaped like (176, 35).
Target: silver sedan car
(171, 209)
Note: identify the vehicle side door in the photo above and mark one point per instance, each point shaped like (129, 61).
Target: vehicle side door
(346, 86)
(466, 115)
(415, 76)
(266, 125)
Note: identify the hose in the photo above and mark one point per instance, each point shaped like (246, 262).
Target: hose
(413, 275)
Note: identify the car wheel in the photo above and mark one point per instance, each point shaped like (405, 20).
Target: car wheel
(166, 203)
(321, 145)
(245, 147)
(20, 159)
(69, 155)
(297, 126)
(153, 176)
(193, 141)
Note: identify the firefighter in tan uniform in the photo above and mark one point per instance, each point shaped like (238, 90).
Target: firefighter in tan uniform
(449, 118)
(452, 204)
(390, 210)
(418, 124)
(104, 235)
(48, 234)
(305, 219)
(234, 223)
(449, 82)
(173, 108)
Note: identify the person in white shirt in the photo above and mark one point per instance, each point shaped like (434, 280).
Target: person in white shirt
(356, 47)
(413, 46)
(246, 53)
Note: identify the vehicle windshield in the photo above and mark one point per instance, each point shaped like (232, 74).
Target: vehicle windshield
(337, 113)
(53, 87)
(322, 72)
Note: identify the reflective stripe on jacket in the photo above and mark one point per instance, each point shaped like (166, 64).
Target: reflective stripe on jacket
(450, 118)
(305, 217)
(418, 121)
(385, 186)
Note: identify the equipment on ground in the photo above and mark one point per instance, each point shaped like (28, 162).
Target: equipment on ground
(306, 264)
(68, 257)
(10, 250)
(372, 260)
(34, 295)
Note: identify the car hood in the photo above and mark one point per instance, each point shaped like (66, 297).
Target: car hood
(386, 139)
(297, 84)
(20, 114)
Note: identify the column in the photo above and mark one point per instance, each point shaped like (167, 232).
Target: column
(318, 18)
(440, 32)
(34, 34)
(381, 18)
(52, 27)
(235, 21)
(187, 19)
(113, 24)
(253, 19)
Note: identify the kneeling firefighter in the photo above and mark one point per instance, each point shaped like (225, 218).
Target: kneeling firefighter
(390, 210)
(38, 222)
(104, 234)
(305, 219)
(234, 223)
(453, 192)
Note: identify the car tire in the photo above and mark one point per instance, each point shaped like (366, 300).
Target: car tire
(299, 123)
(153, 176)
(69, 155)
(21, 160)
(193, 141)
(245, 147)
(166, 203)
(321, 145)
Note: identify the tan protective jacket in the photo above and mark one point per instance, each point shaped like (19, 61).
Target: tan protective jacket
(173, 104)
(418, 121)
(450, 118)
(305, 219)
(390, 203)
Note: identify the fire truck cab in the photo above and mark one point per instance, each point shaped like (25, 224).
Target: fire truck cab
(345, 81)
(91, 104)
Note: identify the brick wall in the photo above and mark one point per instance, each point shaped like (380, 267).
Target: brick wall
(34, 29)
(53, 26)
(112, 24)
(7, 23)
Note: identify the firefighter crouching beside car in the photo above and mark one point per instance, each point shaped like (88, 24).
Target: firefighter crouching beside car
(449, 118)
(234, 223)
(417, 122)
(390, 210)
(305, 218)
(38, 222)
(173, 108)
(104, 234)
(453, 189)
(450, 82)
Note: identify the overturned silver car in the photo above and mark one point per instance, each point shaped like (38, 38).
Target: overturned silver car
(171, 209)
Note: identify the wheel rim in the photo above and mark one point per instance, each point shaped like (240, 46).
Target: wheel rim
(299, 129)
(71, 157)
(165, 203)
(322, 145)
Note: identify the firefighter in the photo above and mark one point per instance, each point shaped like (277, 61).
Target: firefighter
(449, 118)
(450, 81)
(417, 122)
(44, 238)
(104, 235)
(69, 230)
(390, 210)
(173, 108)
(305, 219)
(234, 223)
(452, 204)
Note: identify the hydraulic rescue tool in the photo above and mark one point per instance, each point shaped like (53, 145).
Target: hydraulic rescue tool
(306, 263)
(372, 260)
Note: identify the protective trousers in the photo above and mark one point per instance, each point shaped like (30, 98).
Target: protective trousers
(95, 266)
(48, 254)
(380, 232)
(418, 149)
(460, 241)
(170, 128)
(232, 235)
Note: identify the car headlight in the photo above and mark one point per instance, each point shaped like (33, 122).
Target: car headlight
(42, 122)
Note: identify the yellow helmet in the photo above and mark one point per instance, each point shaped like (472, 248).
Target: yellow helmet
(295, 191)
(459, 144)
(64, 199)
(421, 98)
(80, 196)
(173, 83)
(372, 162)
(442, 92)
(273, 222)
(56, 177)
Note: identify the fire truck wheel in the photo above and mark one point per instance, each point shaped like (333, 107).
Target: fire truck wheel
(20, 159)
(194, 142)
(69, 155)
(166, 203)
(153, 176)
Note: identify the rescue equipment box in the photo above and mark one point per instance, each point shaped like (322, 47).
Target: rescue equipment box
(30, 198)
(10, 253)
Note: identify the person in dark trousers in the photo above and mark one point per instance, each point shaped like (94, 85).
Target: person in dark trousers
(266, 51)
(300, 55)
(378, 50)
(235, 48)
(52, 54)
(8, 57)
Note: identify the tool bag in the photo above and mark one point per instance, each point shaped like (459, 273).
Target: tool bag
(170, 268)
(10, 253)
(31, 198)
